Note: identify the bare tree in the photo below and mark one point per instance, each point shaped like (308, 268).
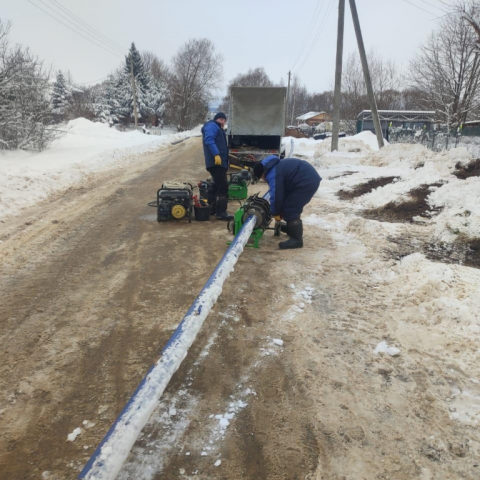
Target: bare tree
(156, 67)
(197, 71)
(299, 98)
(446, 71)
(255, 77)
(412, 100)
(321, 102)
(386, 82)
(470, 12)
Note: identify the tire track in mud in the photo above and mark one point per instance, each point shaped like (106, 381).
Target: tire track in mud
(88, 304)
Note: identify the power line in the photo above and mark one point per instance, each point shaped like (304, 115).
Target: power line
(73, 30)
(94, 81)
(319, 32)
(309, 31)
(93, 30)
(80, 27)
(434, 6)
(417, 6)
(315, 37)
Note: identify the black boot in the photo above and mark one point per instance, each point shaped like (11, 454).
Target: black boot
(212, 200)
(221, 212)
(284, 228)
(295, 230)
(213, 208)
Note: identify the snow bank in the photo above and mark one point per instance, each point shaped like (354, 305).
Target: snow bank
(86, 148)
(439, 292)
(303, 147)
(460, 201)
(361, 144)
(412, 167)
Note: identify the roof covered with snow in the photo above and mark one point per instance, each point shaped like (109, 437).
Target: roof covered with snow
(403, 112)
(400, 115)
(309, 115)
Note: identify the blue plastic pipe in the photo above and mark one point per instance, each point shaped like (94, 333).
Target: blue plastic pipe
(108, 458)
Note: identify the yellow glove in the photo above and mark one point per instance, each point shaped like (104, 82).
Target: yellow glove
(278, 218)
(218, 160)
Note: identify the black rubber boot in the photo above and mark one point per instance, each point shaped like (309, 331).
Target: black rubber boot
(295, 230)
(213, 208)
(284, 228)
(212, 201)
(221, 213)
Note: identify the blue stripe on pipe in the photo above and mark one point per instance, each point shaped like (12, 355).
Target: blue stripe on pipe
(95, 461)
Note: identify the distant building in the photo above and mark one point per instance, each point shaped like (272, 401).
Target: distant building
(405, 119)
(471, 129)
(313, 118)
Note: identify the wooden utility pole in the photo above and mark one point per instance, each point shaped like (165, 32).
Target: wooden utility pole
(366, 74)
(338, 75)
(292, 112)
(134, 90)
(288, 99)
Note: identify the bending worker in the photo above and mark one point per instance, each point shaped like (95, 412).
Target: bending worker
(292, 183)
(215, 149)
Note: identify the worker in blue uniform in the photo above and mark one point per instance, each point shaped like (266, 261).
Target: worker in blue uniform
(215, 149)
(292, 183)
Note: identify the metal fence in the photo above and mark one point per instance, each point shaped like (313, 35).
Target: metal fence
(434, 140)
(437, 141)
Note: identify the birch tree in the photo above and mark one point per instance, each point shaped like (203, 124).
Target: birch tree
(197, 70)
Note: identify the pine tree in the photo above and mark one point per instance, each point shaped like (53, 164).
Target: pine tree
(107, 106)
(60, 96)
(156, 99)
(141, 85)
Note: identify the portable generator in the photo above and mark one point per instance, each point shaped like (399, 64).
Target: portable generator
(175, 201)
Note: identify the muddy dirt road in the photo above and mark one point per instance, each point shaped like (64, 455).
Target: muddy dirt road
(282, 382)
(92, 286)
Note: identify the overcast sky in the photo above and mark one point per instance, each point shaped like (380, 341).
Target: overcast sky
(249, 33)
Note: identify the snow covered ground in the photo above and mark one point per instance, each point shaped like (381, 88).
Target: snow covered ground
(413, 166)
(370, 345)
(445, 294)
(86, 148)
(411, 388)
(439, 300)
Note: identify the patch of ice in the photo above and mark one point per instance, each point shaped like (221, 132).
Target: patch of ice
(73, 436)
(382, 347)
